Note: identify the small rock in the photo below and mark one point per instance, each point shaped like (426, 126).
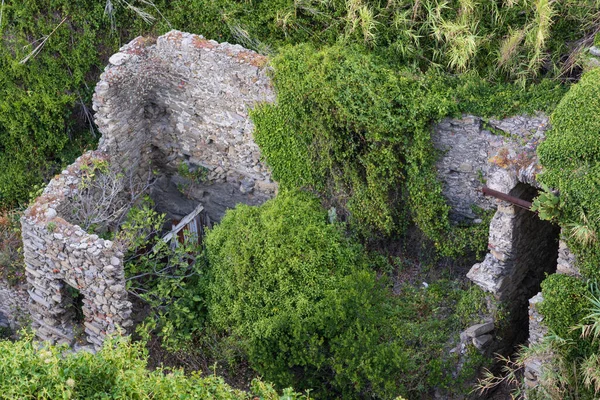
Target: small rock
(51, 213)
(465, 167)
(115, 261)
(119, 58)
(479, 329)
(247, 185)
(481, 341)
(595, 51)
(531, 384)
(117, 288)
(529, 375)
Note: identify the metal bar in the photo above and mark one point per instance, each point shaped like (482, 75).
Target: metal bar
(506, 197)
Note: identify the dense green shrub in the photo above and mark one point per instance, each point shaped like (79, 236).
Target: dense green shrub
(307, 309)
(514, 39)
(39, 127)
(573, 141)
(45, 102)
(564, 303)
(349, 127)
(118, 371)
(570, 156)
(571, 160)
(11, 252)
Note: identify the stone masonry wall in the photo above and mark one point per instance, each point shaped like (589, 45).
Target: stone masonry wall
(183, 102)
(178, 103)
(13, 306)
(566, 264)
(475, 152)
(500, 154)
(58, 254)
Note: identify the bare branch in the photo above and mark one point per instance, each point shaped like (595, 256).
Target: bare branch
(41, 45)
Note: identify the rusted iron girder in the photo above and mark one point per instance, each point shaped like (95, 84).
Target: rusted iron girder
(506, 197)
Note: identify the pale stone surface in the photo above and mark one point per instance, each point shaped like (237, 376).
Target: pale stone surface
(13, 306)
(475, 152)
(184, 102)
(479, 329)
(480, 342)
(119, 58)
(537, 330)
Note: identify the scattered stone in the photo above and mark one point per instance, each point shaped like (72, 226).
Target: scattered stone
(479, 329)
(480, 342)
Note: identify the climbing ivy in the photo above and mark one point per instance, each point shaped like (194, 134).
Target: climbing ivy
(571, 160)
(349, 127)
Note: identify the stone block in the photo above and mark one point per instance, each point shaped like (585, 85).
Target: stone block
(480, 342)
(479, 329)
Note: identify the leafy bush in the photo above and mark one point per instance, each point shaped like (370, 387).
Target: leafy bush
(303, 303)
(345, 125)
(349, 127)
(573, 141)
(11, 254)
(45, 103)
(571, 159)
(564, 303)
(28, 370)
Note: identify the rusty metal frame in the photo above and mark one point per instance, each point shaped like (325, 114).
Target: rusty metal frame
(506, 197)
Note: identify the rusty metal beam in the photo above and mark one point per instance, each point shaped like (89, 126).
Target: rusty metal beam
(506, 197)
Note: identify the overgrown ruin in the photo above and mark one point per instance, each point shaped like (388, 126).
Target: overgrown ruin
(522, 247)
(175, 111)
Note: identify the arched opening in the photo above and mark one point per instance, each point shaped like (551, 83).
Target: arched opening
(523, 250)
(535, 246)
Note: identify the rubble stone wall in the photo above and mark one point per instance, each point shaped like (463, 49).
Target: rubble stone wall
(181, 103)
(475, 152)
(59, 254)
(13, 306)
(178, 108)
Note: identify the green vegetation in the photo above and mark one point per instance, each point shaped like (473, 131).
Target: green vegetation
(351, 128)
(564, 305)
(277, 287)
(118, 371)
(11, 257)
(301, 302)
(52, 52)
(571, 160)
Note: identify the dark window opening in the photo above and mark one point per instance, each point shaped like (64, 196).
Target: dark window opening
(535, 249)
(74, 304)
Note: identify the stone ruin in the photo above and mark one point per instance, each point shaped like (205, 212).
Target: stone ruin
(501, 154)
(13, 307)
(173, 111)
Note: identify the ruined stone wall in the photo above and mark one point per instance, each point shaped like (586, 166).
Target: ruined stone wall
(175, 108)
(500, 154)
(59, 254)
(181, 103)
(566, 264)
(475, 152)
(13, 306)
